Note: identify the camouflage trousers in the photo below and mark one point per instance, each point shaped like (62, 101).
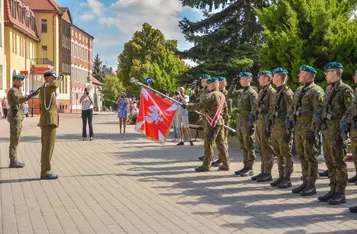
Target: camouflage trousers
(264, 147)
(307, 153)
(246, 140)
(334, 152)
(219, 139)
(226, 132)
(282, 150)
(353, 136)
(15, 133)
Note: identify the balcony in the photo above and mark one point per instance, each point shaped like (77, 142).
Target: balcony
(45, 61)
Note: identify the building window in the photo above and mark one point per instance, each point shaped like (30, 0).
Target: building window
(44, 51)
(33, 23)
(28, 19)
(43, 25)
(13, 9)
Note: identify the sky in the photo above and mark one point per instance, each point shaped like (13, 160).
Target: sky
(113, 22)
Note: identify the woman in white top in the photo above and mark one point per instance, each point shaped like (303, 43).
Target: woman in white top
(87, 114)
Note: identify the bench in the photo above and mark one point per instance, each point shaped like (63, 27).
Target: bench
(197, 128)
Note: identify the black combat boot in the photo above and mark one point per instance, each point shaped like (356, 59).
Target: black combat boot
(240, 171)
(300, 188)
(16, 164)
(353, 209)
(247, 172)
(309, 190)
(277, 181)
(353, 179)
(265, 178)
(201, 169)
(337, 199)
(216, 163)
(324, 173)
(326, 197)
(201, 158)
(257, 176)
(286, 183)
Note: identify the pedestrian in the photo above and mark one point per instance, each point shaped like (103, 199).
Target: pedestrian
(280, 128)
(198, 95)
(308, 101)
(266, 98)
(182, 117)
(247, 106)
(122, 103)
(49, 121)
(337, 99)
(5, 107)
(87, 114)
(1, 114)
(213, 105)
(16, 116)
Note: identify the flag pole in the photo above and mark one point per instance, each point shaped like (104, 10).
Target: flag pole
(135, 81)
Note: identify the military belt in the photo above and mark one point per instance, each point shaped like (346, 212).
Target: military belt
(243, 112)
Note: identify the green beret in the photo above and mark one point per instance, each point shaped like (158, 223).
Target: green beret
(333, 65)
(50, 73)
(204, 76)
(355, 72)
(245, 74)
(19, 76)
(308, 69)
(221, 78)
(212, 80)
(280, 70)
(265, 73)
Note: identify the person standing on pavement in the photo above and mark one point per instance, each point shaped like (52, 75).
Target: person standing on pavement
(87, 114)
(49, 121)
(337, 99)
(122, 103)
(5, 107)
(16, 116)
(266, 97)
(182, 117)
(213, 105)
(308, 101)
(247, 106)
(279, 127)
(197, 96)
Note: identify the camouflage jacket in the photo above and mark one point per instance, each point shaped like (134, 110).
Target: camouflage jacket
(228, 113)
(351, 112)
(16, 100)
(337, 99)
(282, 105)
(308, 99)
(246, 99)
(265, 101)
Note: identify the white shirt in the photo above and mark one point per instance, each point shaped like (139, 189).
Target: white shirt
(180, 110)
(86, 103)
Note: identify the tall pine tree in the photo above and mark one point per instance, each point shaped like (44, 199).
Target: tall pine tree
(227, 41)
(98, 68)
(311, 32)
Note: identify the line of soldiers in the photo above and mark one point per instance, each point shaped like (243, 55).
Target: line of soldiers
(276, 117)
(48, 120)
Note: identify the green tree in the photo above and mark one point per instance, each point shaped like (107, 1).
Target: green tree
(149, 54)
(98, 68)
(227, 41)
(310, 32)
(112, 89)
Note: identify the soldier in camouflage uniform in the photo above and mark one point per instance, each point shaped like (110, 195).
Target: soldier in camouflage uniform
(337, 99)
(226, 116)
(247, 106)
(265, 101)
(210, 105)
(16, 116)
(280, 128)
(308, 99)
(198, 95)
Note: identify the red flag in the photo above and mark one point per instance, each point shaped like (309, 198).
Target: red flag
(155, 116)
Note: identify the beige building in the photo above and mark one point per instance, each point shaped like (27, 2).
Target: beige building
(3, 73)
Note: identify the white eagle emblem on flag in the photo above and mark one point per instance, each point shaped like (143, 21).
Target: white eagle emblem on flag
(154, 115)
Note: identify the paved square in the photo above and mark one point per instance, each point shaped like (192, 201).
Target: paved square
(127, 184)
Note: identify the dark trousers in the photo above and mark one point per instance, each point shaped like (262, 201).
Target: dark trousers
(5, 112)
(87, 114)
